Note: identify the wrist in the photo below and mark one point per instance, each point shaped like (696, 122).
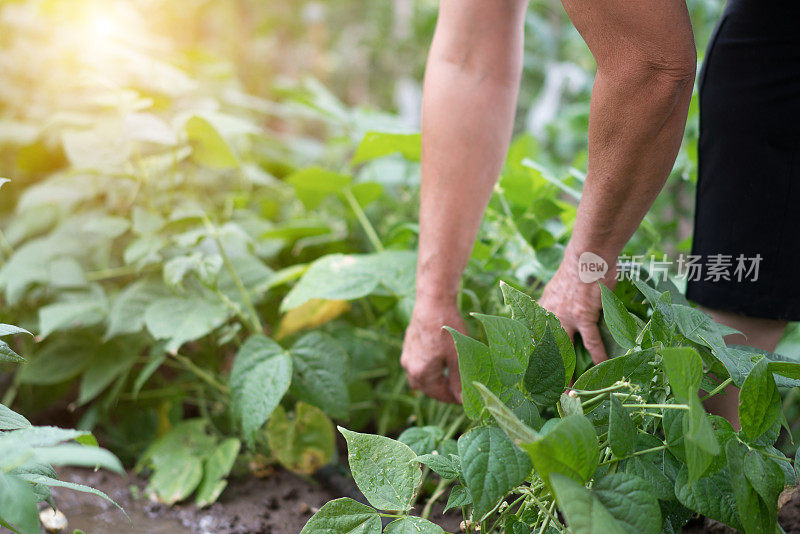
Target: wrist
(589, 264)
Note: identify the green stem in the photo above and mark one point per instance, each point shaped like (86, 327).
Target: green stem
(547, 519)
(202, 374)
(438, 492)
(637, 453)
(116, 272)
(372, 235)
(255, 323)
(659, 406)
(717, 389)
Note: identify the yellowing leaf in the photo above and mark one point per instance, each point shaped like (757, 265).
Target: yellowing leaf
(312, 314)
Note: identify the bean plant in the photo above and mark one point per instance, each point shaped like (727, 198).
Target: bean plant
(627, 448)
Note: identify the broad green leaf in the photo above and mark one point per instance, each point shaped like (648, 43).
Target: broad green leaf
(459, 496)
(759, 401)
(492, 466)
(544, 378)
(700, 441)
(765, 475)
(40, 436)
(319, 367)
(537, 319)
(379, 144)
(568, 405)
(619, 320)
(422, 440)
(126, 313)
(352, 276)
(344, 516)
(182, 319)
(585, 514)
(261, 374)
(302, 443)
(630, 501)
(18, 504)
(216, 467)
(653, 474)
(71, 314)
(382, 470)
(634, 367)
(497, 366)
(11, 420)
(755, 514)
(570, 448)
(621, 430)
(175, 480)
(209, 147)
(446, 466)
(516, 430)
(313, 184)
(412, 525)
(684, 370)
(711, 496)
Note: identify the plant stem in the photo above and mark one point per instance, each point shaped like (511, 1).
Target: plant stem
(547, 519)
(116, 272)
(372, 235)
(202, 374)
(438, 492)
(637, 453)
(255, 323)
(659, 406)
(717, 389)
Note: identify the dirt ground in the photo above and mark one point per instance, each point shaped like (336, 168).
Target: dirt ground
(278, 504)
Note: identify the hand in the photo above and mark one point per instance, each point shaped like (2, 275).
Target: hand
(578, 304)
(428, 350)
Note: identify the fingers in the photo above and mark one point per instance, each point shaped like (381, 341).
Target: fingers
(590, 335)
(429, 378)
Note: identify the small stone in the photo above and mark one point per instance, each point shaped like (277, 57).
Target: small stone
(53, 520)
(303, 508)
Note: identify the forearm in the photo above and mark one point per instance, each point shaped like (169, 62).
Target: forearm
(638, 112)
(469, 99)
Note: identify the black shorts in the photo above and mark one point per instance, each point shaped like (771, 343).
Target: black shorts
(748, 190)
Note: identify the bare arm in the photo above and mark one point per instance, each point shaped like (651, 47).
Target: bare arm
(646, 62)
(470, 93)
(645, 56)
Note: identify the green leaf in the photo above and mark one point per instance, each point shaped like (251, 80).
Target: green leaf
(497, 366)
(344, 516)
(492, 465)
(459, 496)
(446, 466)
(684, 370)
(86, 311)
(79, 456)
(209, 147)
(421, 440)
(10, 329)
(630, 501)
(382, 470)
(261, 374)
(621, 430)
(126, 314)
(619, 320)
(313, 184)
(759, 401)
(18, 504)
(711, 496)
(36, 478)
(182, 319)
(585, 514)
(516, 430)
(568, 405)
(109, 361)
(216, 467)
(11, 420)
(379, 144)
(175, 480)
(412, 525)
(544, 378)
(569, 448)
(538, 319)
(634, 367)
(7, 354)
(304, 442)
(700, 441)
(755, 514)
(320, 373)
(652, 473)
(353, 276)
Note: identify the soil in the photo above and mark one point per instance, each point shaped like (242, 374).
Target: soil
(280, 503)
